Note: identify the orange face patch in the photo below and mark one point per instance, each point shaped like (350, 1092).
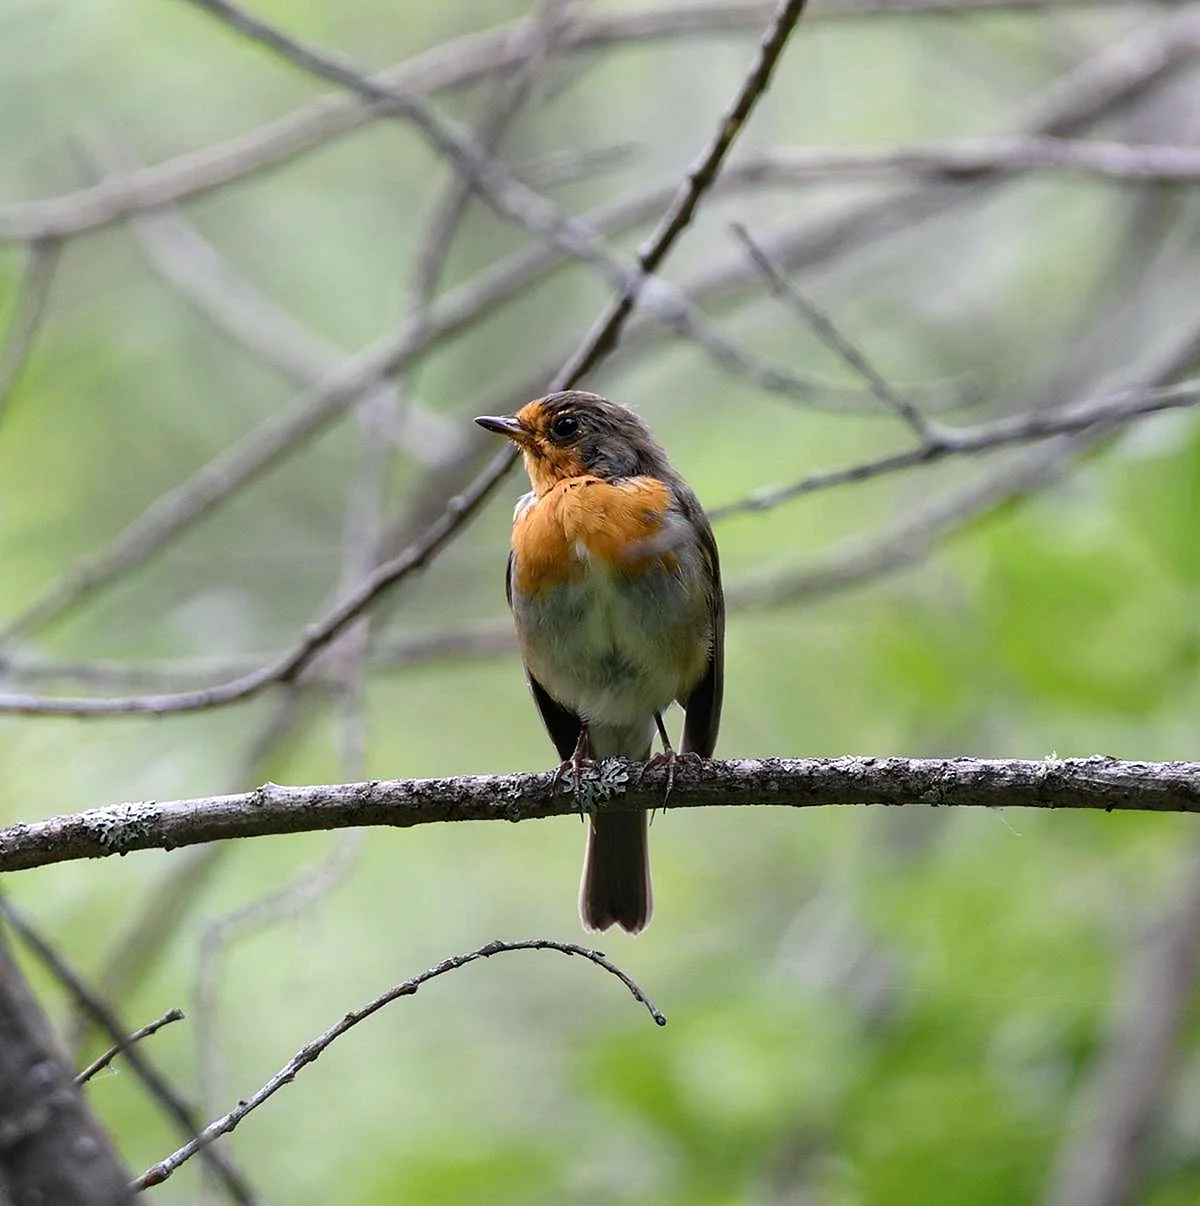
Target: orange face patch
(585, 519)
(545, 461)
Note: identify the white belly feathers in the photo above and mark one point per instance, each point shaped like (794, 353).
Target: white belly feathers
(615, 648)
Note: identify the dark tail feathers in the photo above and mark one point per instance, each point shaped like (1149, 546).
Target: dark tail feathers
(616, 873)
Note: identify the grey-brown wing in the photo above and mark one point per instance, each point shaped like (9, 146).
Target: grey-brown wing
(561, 723)
(702, 707)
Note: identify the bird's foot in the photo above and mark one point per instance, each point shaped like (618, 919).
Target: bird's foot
(579, 761)
(670, 759)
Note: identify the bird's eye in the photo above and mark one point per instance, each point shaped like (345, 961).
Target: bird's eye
(564, 427)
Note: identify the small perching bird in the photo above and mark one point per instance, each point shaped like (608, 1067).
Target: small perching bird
(615, 588)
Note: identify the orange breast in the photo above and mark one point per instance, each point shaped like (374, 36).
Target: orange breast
(586, 520)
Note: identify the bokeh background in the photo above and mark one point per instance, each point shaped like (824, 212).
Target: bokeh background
(866, 1008)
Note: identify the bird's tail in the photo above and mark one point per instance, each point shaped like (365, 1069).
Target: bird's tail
(616, 887)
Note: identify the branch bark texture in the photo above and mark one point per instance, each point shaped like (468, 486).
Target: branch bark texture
(1096, 782)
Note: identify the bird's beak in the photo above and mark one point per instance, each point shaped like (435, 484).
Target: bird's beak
(505, 425)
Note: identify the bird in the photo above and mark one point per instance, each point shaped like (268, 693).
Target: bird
(614, 583)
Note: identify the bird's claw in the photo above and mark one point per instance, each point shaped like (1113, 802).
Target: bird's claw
(669, 758)
(579, 761)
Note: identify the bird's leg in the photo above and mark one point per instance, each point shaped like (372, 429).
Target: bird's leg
(669, 757)
(581, 757)
(662, 732)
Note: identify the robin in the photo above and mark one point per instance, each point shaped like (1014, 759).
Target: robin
(615, 588)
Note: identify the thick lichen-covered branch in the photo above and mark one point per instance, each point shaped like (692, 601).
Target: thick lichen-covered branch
(1094, 783)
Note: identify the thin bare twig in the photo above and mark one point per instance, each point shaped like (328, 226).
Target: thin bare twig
(971, 441)
(119, 674)
(1115, 76)
(106, 1019)
(791, 297)
(699, 179)
(28, 311)
(974, 157)
(909, 539)
(1098, 782)
(158, 1173)
(809, 392)
(177, 674)
(102, 1062)
(548, 21)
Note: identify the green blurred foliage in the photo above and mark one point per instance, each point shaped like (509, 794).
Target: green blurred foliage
(866, 1008)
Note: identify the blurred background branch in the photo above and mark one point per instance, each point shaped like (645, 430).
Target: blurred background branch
(51, 1148)
(165, 1096)
(1120, 1104)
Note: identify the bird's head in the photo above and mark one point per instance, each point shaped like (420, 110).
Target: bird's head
(573, 433)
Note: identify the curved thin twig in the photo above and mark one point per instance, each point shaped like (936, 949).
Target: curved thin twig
(156, 1174)
(102, 1062)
